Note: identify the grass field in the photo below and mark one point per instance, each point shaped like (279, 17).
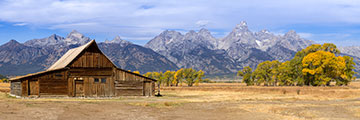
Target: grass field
(206, 101)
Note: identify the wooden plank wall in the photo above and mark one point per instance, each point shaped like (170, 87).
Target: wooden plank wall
(99, 89)
(91, 72)
(127, 84)
(91, 58)
(33, 87)
(54, 83)
(24, 88)
(15, 87)
(91, 88)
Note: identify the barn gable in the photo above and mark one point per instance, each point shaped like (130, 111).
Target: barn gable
(86, 56)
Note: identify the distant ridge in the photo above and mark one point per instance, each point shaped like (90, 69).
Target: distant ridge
(170, 50)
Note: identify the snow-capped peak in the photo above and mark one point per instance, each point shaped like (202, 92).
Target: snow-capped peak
(117, 39)
(265, 31)
(241, 27)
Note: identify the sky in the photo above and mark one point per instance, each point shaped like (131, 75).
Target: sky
(138, 21)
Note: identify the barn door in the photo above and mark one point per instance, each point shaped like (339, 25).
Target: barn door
(147, 88)
(79, 88)
(33, 87)
(100, 86)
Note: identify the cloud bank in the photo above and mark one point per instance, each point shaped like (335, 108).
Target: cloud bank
(140, 19)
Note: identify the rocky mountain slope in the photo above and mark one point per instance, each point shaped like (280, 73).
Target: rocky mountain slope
(38, 54)
(351, 50)
(170, 50)
(241, 47)
(194, 49)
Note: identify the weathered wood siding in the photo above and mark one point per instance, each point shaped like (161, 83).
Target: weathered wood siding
(90, 87)
(88, 76)
(55, 83)
(91, 58)
(91, 72)
(127, 84)
(15, 87)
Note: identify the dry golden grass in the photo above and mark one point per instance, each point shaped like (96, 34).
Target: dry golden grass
(328, 92)
(4, 87)
(228, 99)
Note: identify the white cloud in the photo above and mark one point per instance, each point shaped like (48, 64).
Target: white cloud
(146, 18)
(202, 23)
(20, 24)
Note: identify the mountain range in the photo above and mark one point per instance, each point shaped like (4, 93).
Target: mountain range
(170, 50)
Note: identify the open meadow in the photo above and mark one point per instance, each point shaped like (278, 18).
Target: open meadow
(214, 101)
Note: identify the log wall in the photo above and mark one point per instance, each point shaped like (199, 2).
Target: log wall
(15, 87)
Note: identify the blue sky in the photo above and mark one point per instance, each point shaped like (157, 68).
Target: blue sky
(335, 21)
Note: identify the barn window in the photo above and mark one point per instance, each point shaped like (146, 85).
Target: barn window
(58, 75)
(96, 80)
(103, 80)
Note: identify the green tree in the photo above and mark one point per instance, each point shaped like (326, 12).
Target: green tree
(264, 73)
(199, 77)
(246, 73)
(160, 80)
(190, 76)
(284, 74)
(329, 47)
(348, 73)
(168, 77)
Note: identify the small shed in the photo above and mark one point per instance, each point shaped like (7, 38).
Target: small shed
(83, 72)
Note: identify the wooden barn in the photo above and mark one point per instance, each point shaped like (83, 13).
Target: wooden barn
(83, 72)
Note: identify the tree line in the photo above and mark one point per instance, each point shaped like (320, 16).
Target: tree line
(3, 79)
(175, 78)
(316, 65)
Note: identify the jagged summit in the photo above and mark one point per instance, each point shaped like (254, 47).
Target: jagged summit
(264, 31)
(165, 32)
(12, 43)
(118, 40)
(203, 30)
(76, 38)
(242, 26)
(74, 32)
(291, 33)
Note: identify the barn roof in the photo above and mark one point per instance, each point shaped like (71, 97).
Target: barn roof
(70, 56)
(34, 74)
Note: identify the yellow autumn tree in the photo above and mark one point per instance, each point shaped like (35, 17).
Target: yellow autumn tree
(137, 72)
(168, 77)
(178, 77)
(320, 67)
(246, 74)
